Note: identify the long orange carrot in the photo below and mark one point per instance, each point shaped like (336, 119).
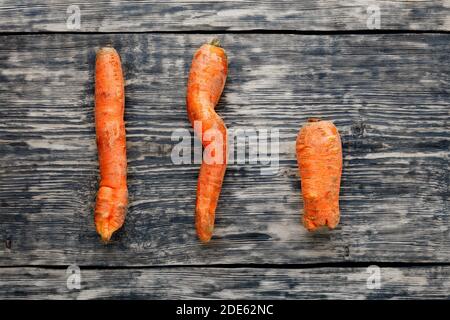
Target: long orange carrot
(112, 197)
(205, 85)
(319, 156)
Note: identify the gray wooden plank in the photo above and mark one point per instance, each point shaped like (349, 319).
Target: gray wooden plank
(387, 94)
(234, 283)
(176, 15)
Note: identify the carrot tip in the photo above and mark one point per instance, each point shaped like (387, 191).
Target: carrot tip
(215, 42)
(107, 49)
(314, 120)
(205, 239)
(104, 231)
(204, 235)
(106, 237)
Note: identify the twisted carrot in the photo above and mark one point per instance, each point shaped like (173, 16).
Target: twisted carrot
(205, 85)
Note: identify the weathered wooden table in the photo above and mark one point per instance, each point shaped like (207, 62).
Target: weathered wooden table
(379, 70)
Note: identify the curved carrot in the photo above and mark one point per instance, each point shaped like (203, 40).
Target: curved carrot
(319, 156)
(112, 197)
(205, 85)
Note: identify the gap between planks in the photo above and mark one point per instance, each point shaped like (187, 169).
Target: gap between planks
(250, 31)
(336, 265)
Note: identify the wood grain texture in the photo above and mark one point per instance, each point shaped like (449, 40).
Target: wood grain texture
(219, 283)
(139, 16)
(387, 94)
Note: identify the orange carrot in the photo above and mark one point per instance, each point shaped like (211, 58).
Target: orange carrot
(112, 197)
(205, 85)
(319, 156)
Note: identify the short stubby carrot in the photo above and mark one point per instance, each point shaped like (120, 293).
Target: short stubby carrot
(206, 81)
(112, 197)
(319, 156)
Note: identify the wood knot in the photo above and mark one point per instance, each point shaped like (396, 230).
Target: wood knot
(347, 251)
(358, 128)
